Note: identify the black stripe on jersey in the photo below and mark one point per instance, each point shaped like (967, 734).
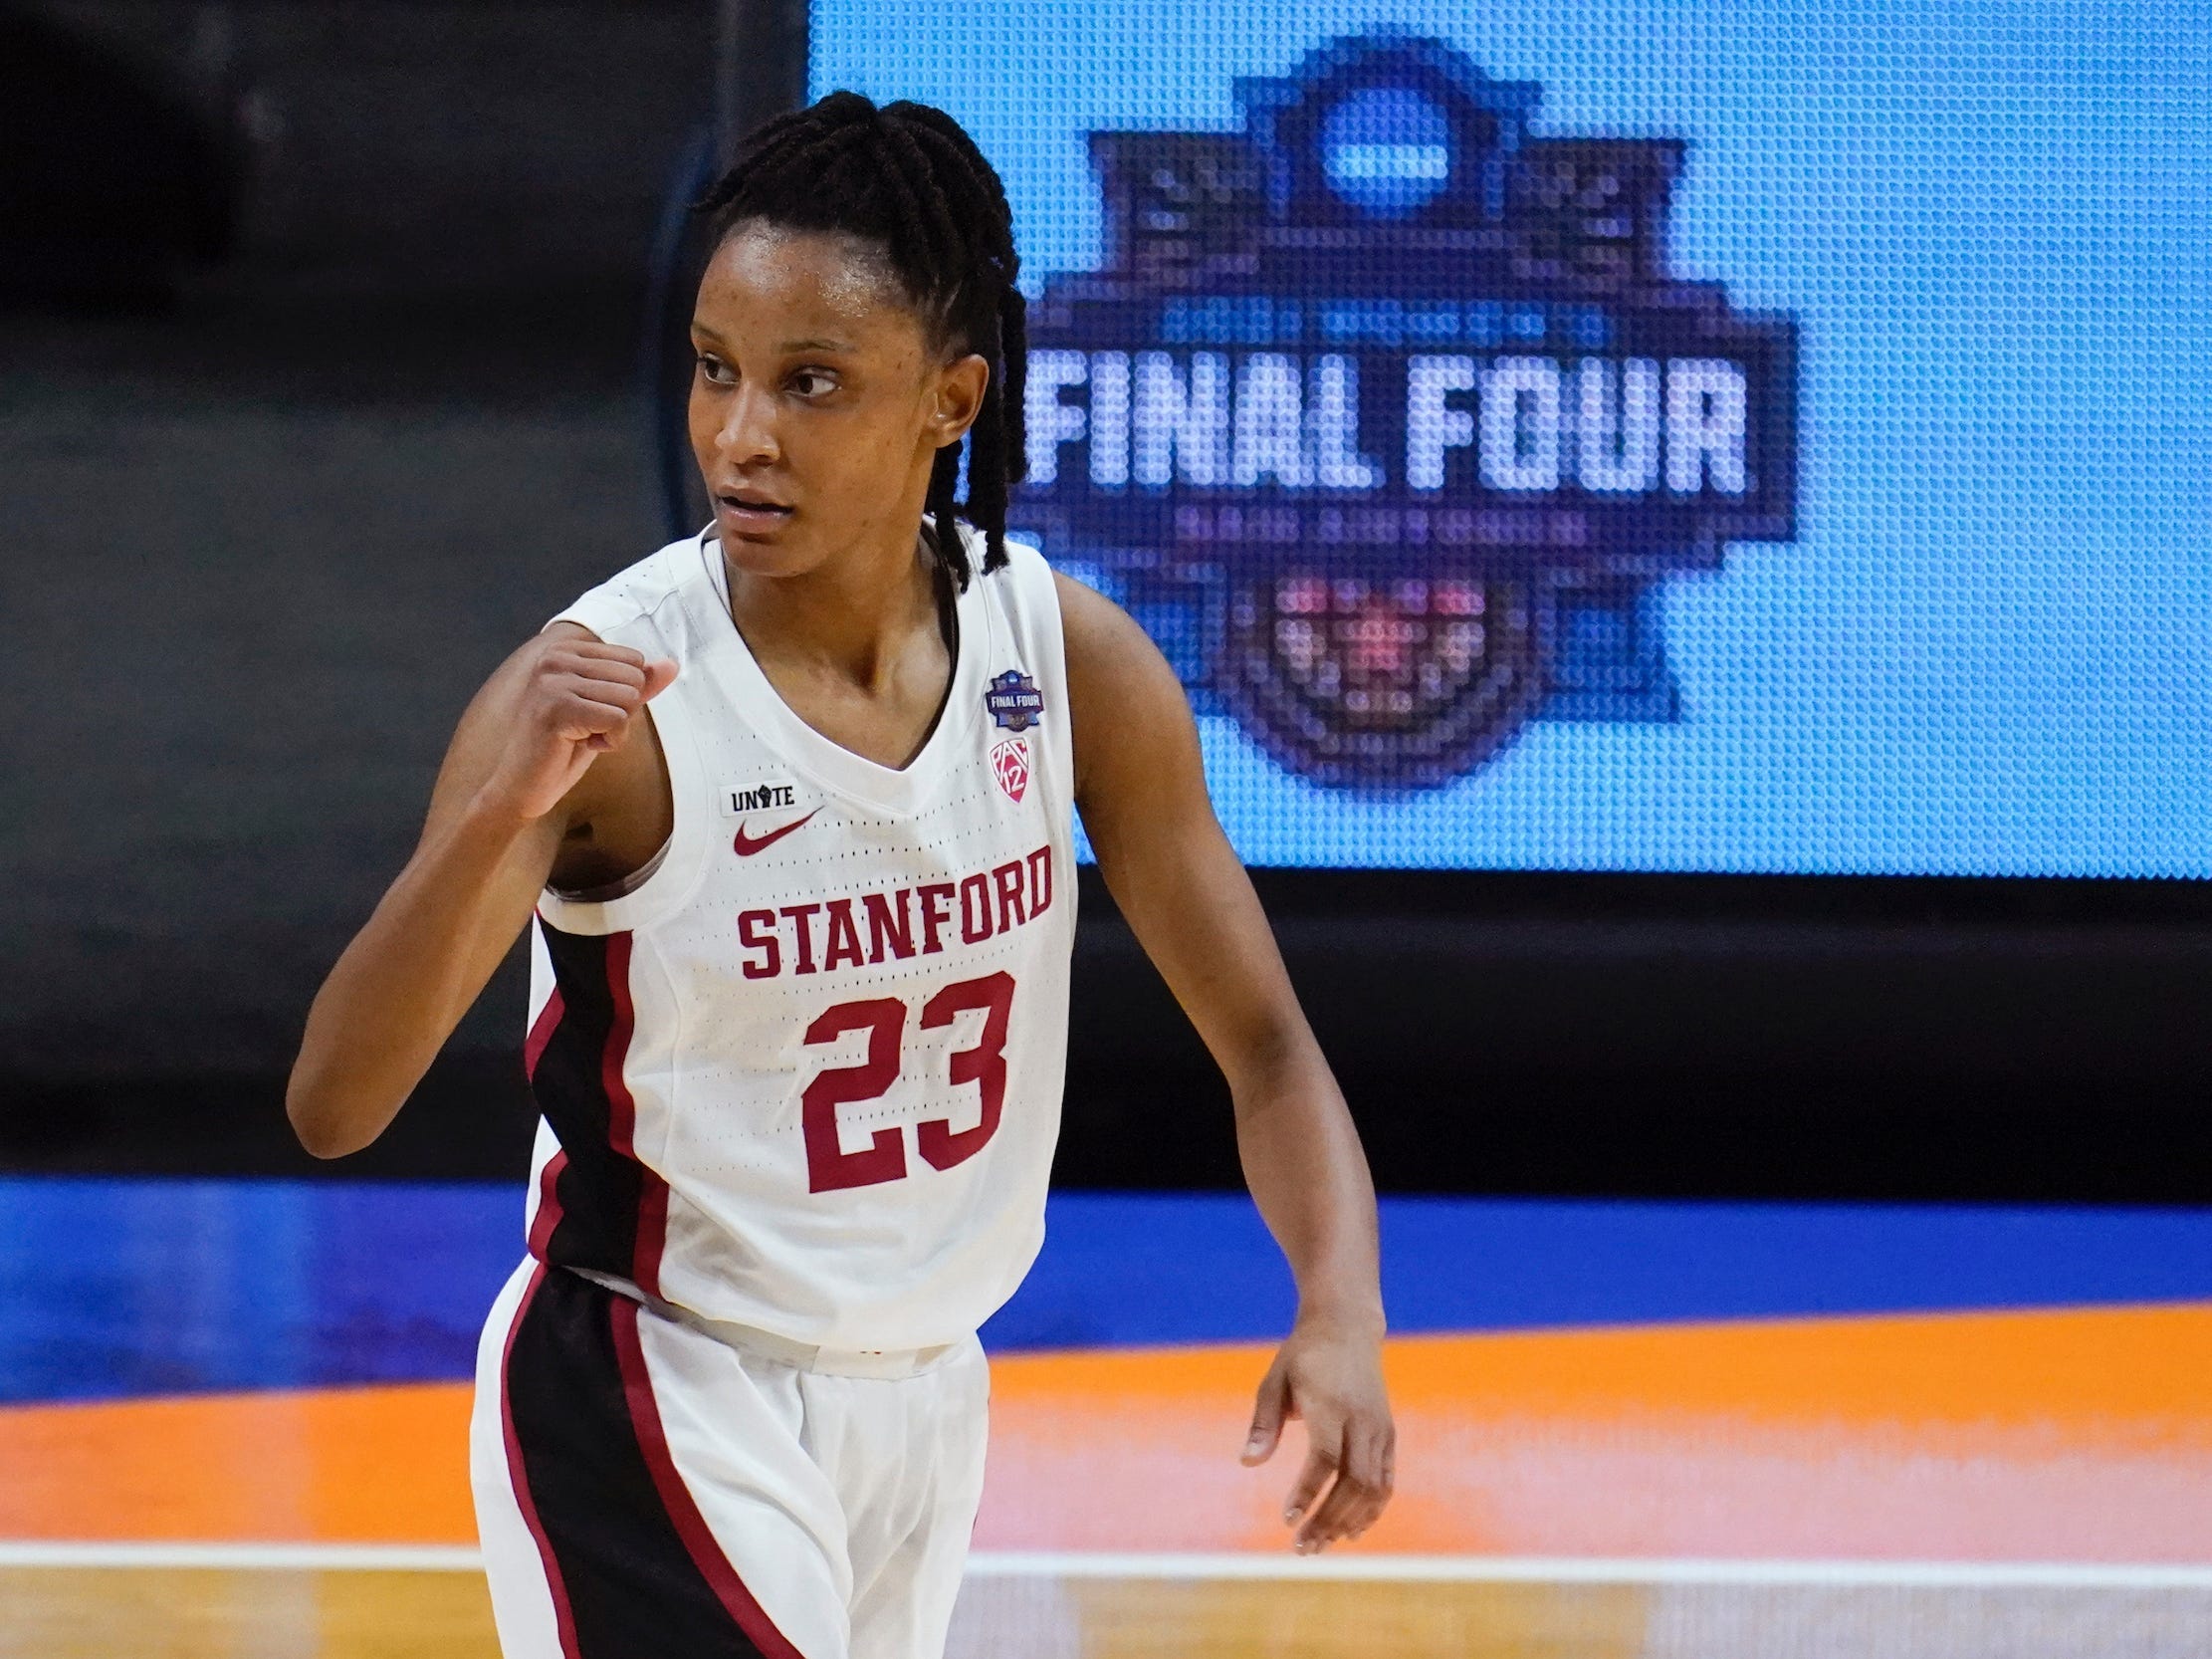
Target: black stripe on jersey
(635, 1589)
(608, 1209)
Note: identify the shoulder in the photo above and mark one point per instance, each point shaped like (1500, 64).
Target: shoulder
(1101, 636)
(1131, 720)
(633, 598)
(1093, 628)
(1023, 582)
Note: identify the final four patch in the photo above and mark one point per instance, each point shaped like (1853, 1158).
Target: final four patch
(1015, 701)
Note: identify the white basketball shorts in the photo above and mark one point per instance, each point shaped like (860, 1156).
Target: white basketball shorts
(648, 1489)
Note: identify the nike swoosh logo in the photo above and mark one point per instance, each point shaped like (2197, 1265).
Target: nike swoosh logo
(747, 845)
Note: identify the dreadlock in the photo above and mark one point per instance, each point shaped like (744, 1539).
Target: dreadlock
(909, 178)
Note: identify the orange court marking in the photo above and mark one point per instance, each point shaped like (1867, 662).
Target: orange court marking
(2079, 1435)
(2056, 1436)
(357, 1465)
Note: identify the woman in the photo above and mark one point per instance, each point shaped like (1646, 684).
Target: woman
(790, 801)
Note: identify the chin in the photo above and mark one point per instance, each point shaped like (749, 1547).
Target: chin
(774, 555)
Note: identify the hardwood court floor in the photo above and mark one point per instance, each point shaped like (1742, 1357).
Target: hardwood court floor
(140, 1613)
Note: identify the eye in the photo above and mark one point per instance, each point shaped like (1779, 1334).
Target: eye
(716, 371)
(813, 383)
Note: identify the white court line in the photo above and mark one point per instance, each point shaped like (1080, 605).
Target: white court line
(1598, 1570)
(1538, 1570)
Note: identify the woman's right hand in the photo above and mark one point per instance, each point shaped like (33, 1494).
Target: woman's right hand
(575, 700)
(496, 823)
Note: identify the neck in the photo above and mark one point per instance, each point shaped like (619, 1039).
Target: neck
(854, 614)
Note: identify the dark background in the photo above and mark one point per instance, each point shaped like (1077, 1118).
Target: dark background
(324, 382)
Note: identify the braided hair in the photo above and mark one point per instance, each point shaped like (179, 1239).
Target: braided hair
(909, 178)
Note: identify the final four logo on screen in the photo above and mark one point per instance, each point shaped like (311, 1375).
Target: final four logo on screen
(1386, 418)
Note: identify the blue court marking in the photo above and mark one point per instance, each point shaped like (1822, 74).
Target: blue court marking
(113, 1289)
(1125, 1268)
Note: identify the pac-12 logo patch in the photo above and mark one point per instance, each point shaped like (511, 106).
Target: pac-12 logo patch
(1015, 701)
(1010, 761)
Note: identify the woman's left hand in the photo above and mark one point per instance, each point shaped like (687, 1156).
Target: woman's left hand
(1330, 1374)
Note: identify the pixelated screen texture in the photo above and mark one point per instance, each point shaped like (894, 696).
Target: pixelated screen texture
(1971, 640)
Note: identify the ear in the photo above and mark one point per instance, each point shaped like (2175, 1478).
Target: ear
(959, 397)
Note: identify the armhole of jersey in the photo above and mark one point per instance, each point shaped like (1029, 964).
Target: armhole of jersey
(1043, 629)
(1042, 608)
(666, 889)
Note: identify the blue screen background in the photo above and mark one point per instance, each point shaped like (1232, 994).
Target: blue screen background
(1985, 653)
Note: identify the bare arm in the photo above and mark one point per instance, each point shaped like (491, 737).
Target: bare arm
(1141, 787)
(515, 777)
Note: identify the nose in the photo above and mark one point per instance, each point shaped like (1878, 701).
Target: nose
(748, 431)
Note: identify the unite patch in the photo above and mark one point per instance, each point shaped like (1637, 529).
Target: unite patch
(765, 797)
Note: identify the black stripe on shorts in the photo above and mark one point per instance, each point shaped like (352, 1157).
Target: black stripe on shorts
(643, 1580)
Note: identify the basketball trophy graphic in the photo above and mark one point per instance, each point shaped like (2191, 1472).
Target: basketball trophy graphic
(1386, 418)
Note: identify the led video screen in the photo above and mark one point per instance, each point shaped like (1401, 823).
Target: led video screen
(1626, 437)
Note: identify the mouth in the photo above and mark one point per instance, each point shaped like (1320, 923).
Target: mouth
(750, 510)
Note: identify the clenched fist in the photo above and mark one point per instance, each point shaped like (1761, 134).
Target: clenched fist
(575, 699)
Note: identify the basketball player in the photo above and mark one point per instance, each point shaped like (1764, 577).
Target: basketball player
(790, 800)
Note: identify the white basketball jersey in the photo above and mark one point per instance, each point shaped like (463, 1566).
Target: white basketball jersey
(806, 1076)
